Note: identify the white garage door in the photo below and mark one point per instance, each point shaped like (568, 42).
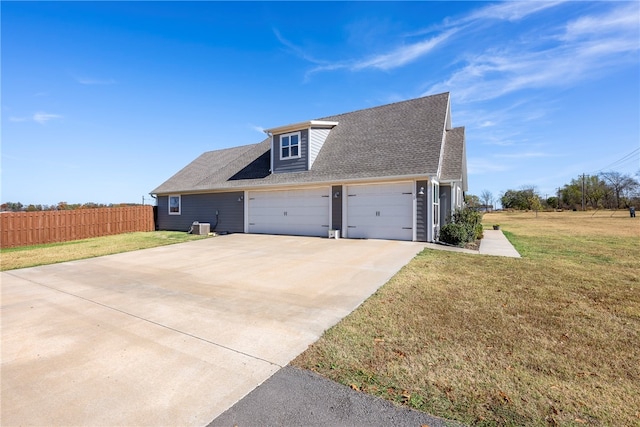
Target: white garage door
(294, 212)
(380, 211)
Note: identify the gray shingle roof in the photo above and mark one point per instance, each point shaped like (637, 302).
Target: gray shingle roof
(453, 156)
(400, 139)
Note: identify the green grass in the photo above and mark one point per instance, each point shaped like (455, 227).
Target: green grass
(31, 256)
(548, 339)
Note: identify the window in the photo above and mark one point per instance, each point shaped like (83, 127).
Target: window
(174, 205)
(290, 145)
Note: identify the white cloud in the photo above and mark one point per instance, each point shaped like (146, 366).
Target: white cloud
(562, 61)
(17, 119)
(257, 128)
(618, 20)
(479, 166)
(524, 155)
(511, 10)
(43, 118)
(402, 55)
(298, 51)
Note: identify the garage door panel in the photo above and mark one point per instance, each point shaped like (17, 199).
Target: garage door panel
(295, 212)
(380, 211)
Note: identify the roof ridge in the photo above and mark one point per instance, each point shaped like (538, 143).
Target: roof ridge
(385, 105)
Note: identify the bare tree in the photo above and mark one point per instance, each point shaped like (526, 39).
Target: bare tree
(487, 198)
(619, 184)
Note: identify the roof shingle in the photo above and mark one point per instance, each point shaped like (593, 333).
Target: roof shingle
(400, 139)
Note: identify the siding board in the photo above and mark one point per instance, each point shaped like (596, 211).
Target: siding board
(317, 137)
(421, 212)
(202, 208)
(291, 165)
(336, 208)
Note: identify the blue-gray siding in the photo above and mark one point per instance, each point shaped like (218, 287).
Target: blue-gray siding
(291, 165)
(421, 212)
(336, 207)
(202, 208)
(445, 204)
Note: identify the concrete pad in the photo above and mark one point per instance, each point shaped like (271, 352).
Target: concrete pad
(175, 335)
(495, 243)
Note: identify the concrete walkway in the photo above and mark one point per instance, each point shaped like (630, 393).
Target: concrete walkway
(495, 243)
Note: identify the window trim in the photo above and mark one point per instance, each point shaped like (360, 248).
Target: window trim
(179, 212)
(299, 145)
(436, 205)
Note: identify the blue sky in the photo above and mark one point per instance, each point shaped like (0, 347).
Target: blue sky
(104, 101)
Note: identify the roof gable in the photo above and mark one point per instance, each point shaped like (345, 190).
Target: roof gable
(454, 164)
(400, 139)
(403, 138)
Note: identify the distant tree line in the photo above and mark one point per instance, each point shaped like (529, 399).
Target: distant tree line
(61, 206)
(607, 190)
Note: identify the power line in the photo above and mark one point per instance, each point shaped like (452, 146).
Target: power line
(623, 160)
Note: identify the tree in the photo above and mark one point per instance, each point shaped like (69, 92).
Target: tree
(472, 200)
(13, 206)
(594, 190)
(591, 187)
(487, 198)
(525, 198)
(619, 184)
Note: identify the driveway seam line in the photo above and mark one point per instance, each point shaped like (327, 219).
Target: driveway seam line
(143, 319)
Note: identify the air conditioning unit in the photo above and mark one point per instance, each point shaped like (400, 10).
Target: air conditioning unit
(200, 228)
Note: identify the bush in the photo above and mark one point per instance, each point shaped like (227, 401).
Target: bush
(464, 227)
(454, 234)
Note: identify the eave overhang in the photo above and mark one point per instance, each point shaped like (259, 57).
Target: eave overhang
(321, 124)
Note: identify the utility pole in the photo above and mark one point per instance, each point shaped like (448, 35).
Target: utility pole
(583, 193)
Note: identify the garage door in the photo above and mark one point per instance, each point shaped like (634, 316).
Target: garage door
(380, 211)
(294, 212)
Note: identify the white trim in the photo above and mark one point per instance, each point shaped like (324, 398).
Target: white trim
(415, 212)
(298, 145)
(179, 212)
(344, 232)
(368, 180)
(246, 211)
(301, 125)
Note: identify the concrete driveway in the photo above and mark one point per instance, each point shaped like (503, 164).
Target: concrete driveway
(175, 335)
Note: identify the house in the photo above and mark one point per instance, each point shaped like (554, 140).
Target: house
(390, 172)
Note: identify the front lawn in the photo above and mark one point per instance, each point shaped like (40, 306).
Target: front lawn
(31, 256)
(548, 339)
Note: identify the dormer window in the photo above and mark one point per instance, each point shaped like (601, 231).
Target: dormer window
(290, 146)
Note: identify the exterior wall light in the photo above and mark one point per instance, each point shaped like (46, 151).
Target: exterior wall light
(336, 195)
(421, 192)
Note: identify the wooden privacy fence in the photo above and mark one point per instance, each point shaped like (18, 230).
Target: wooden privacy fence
(34, 228)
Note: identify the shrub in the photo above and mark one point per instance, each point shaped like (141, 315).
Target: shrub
(465, 227)
(453, 234)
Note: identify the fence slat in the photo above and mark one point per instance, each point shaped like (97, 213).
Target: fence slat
(35, 228)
